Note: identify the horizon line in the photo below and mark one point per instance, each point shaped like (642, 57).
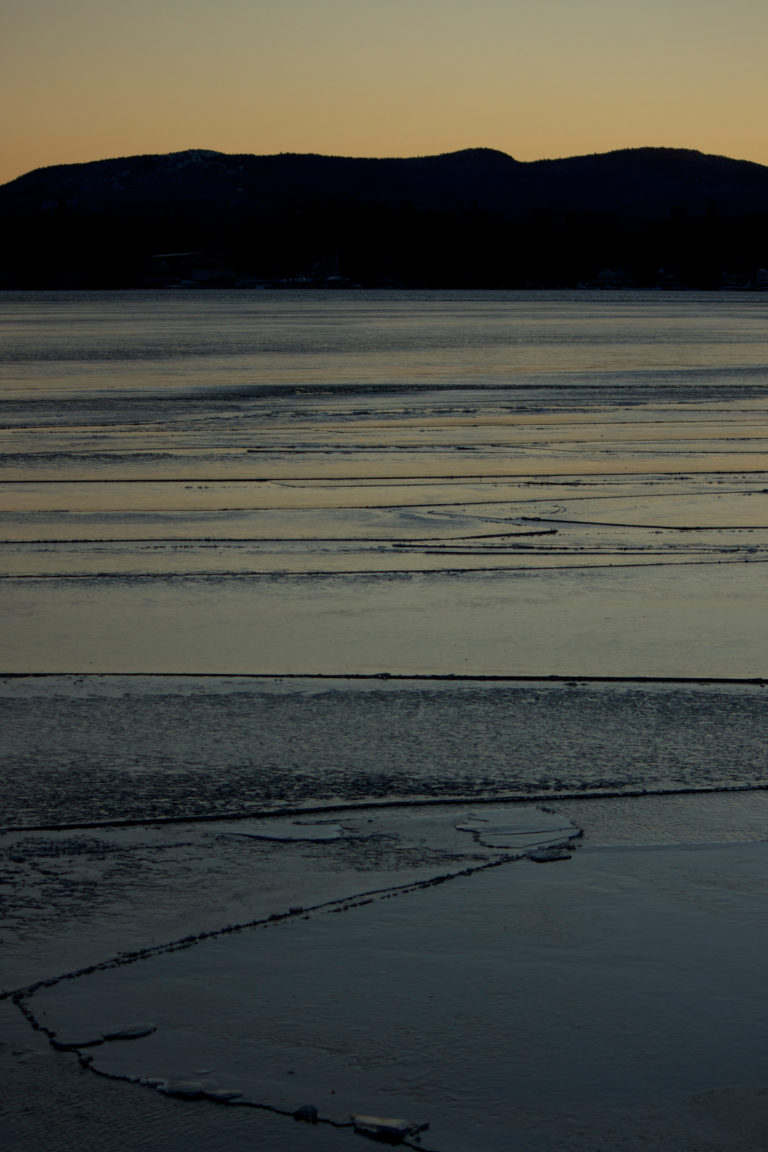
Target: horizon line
(379, 158)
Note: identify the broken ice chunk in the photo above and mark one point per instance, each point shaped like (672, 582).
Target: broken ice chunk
(185, 1089)
(129, 1032)
(547, 855)
(292, 830)
(222, 1095)
(70, 1042)
(386, 1129)
(519, 826)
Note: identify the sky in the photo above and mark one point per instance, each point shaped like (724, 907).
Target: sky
(87, 79)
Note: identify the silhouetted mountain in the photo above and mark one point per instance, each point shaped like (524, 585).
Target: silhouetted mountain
(471, 218)
(638, 182)
(209, 183)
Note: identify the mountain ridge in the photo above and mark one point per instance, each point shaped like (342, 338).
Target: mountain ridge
(638, 180)
(413, 220)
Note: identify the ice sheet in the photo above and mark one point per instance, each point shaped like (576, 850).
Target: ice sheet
(525, 972)
(498, 483)
(375, 484)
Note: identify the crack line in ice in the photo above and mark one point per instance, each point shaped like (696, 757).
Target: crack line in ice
(341, 904)
(214, 576)
(412, 802)
(646, 527)
(21, 996)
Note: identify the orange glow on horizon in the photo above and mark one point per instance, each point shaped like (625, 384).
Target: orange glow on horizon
(534, 78)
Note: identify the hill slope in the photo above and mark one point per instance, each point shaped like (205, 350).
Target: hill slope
(378, 220)
(644, 181)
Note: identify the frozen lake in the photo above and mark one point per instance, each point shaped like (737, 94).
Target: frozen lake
(314, 600)
(411, 483)
(324, 485)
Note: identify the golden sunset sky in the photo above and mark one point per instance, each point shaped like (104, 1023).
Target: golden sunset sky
(87, 79)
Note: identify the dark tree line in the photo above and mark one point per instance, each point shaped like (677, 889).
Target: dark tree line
(370, 244)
